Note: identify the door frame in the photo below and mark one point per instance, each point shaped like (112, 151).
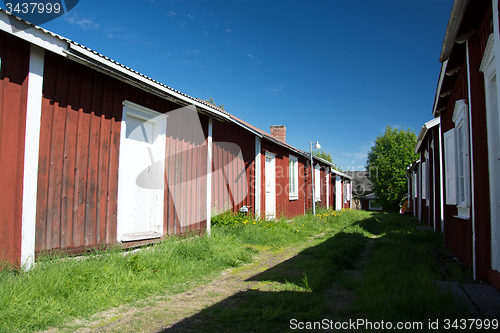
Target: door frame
(125, 176)
(270, 214)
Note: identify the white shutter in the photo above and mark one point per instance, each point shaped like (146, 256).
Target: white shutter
(424, 180)
(415, 191)
(450, 167)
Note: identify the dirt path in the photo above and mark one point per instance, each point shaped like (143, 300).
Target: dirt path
(340, 297)
(160, 313)
(174, 313)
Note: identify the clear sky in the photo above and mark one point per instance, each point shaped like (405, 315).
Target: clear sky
(334, 71)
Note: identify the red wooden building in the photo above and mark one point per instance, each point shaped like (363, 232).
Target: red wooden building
(94, 153)
(456, 182)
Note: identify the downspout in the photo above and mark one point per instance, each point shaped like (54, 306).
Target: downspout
(434, 181)
(471, 160)
(441, 180)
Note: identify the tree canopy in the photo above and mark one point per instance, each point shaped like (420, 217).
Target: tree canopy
(386, 164)
(211, 101)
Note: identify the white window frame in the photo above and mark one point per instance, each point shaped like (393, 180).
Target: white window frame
(488, 67)
(293, 178)
(373, 206)
(462, 159)
(424, 180)
(317, 182)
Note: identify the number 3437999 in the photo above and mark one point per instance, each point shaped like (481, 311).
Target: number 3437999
(33, 8)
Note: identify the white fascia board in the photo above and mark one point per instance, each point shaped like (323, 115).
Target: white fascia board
(420, 138)
(440, 84)
(34, 35)
(423, 132)
(81, 50)
(433, 122)
(457, 13)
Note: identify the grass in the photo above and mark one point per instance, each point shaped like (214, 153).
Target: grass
(57, 290)
(396, 285)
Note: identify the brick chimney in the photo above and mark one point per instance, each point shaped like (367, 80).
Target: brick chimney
(279, 132)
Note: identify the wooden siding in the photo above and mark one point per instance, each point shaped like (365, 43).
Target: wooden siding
(185, 165)
(458, 232)
(479, 138)
(229, 140)
(284, 206)
(78, 162)
(14, 55)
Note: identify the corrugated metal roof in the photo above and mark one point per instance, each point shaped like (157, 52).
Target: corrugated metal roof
(103, 57)
(237, 120)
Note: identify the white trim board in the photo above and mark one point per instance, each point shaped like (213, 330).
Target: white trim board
(31, 152)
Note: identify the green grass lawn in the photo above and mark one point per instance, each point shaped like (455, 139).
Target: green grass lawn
(397, 284)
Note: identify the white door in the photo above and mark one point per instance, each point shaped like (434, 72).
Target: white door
(141, 174)
(270, 186)
(338, 193)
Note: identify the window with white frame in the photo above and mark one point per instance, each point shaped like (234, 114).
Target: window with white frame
(317, 183)
(373, 205)
(457, 162)
(293, 178)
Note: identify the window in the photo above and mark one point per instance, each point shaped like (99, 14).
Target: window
(317, 183)
(373, 205)
(293, 178)
(456, 144)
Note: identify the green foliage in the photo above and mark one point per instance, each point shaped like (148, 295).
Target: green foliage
(327, 157)
(56, 290)
(387, 162)
(324, 155)
(226, 218)
(211, 101)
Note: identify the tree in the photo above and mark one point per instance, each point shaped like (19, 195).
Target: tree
(327, 157)
(386, 164)
(211, 101)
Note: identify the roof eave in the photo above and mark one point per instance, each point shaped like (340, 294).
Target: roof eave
(457, 13)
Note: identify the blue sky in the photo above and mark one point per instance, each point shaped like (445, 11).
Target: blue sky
(334, 71)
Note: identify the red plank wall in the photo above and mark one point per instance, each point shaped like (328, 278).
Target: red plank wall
(482, 217)
(78, 163)
(284, 206)
(186, 164)
(14, 55)
(228, 141)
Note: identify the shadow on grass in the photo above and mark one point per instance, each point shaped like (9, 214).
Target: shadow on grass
(397, 284)
(293, 289)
